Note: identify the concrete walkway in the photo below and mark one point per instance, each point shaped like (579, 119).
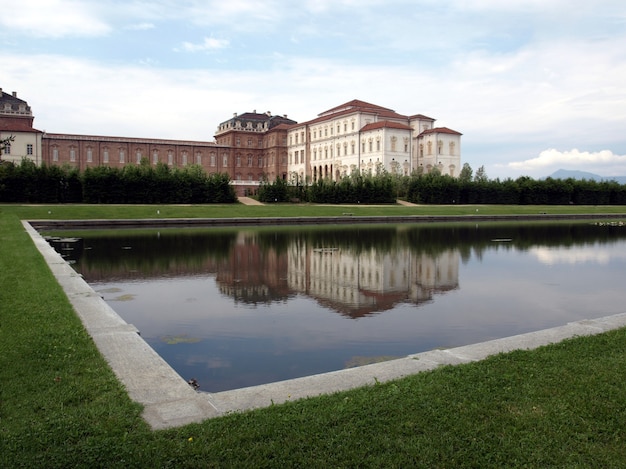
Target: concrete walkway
(249, 201)
(170, 402)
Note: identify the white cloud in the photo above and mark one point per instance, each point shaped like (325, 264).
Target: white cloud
(574, 256)
(53, 18)
(140, 26)
(573, 159)
(208, 44)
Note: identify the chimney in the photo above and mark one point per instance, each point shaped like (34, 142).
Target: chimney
(15, 94)
(0, 92)
(234, 114)
(254, 112)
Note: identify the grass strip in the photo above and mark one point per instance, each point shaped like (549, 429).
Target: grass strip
(562, 405)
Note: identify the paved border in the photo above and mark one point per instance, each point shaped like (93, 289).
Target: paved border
(343, 219)
(170, 402)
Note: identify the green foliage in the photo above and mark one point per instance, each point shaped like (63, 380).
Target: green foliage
(434, 188)
(274, 192)
(132, 184)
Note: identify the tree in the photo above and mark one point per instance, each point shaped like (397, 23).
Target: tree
(466, 173)
(4, 143)
(481, 175)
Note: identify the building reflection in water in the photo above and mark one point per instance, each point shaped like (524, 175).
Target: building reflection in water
(353, 274)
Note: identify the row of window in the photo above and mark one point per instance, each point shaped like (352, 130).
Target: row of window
(429, 148)
(299, 137)
(29, 149)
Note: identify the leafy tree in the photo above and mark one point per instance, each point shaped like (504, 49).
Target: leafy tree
(466, 173)
(4, 143)
(481, 175)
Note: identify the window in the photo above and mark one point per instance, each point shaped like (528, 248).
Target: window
(212, 160)
(249, 142)
(105, 155)
(198, 158)
(377, 145)
(155, 157)
(89, 155)
(29, 149)
(7, 149)
(225, 159)
(238, 141)
(184, 158)
(451, 148)
(352, 146)
(370, 146)
(238, 160)
(249, 161)
(170, 157)
(72, 154)
(363, 147)
(122, 156)
(138, 156)
(260, 161)
(338, 129)
(393, 143)
(55, 154)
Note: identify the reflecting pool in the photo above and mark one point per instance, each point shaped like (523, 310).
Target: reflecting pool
(239, 307)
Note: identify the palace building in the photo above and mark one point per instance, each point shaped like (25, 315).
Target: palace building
(252, 147)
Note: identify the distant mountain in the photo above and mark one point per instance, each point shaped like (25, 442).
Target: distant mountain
(568, 173)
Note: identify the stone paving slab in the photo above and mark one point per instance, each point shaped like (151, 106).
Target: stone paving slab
(170, 402)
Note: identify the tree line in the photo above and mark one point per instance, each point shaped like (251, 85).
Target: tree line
(143, 183)
(435, 188)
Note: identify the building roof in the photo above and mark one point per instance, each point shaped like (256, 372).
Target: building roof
(440, 130)
(17, 124)
(17, 105)
(422, 117)
(385, 124)
(355, 105)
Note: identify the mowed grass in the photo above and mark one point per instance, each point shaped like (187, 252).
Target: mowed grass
(61, 212)
(562, 405)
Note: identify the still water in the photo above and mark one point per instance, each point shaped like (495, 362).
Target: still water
(239, 307)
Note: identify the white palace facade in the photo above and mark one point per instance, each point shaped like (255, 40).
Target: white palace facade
(252, 147)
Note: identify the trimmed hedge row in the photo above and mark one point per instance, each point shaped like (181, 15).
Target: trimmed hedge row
(438, 189)
(442, 189)
(131, 184)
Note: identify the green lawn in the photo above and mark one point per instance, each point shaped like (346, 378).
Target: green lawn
(60, 406)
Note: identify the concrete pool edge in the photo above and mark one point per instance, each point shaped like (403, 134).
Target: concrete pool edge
(170, 402)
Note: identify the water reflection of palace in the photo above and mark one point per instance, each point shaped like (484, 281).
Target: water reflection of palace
(354, 279)
(358, 284)
(251, 274)
(352, 283)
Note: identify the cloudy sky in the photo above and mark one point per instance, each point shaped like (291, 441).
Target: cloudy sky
(533, 85)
